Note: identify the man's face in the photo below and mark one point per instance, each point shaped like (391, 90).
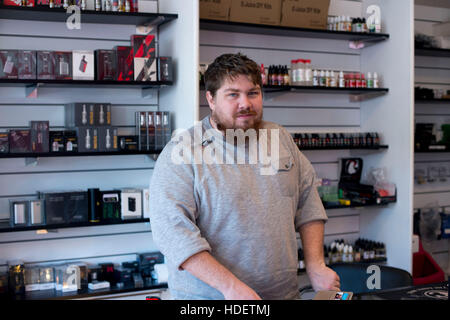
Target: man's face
(237, 105)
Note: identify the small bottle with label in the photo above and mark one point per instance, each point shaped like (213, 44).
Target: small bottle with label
(341, 79)
(322, 79)
(369, 80)
(316, 78)
(286, 76)
(308, 73)
(327, 79)
(376, 82)
(301, 72)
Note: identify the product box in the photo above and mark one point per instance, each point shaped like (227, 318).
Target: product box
(125, 63)
(9, 64)
(94, 205)
(151, 131)
(79, 114)
(144, 55)
(102, 114)
(45, 65)
(83, 65)
(87, 139)
(159, 130)
(70, 141)
(19, 213)
(19, 141)
(39, 136)
(54, 204)
(110, 206)
(128, 143)
(4, 142)
(32, 279)
(18, 3)
(105, 62)
(167, 127)
(256, 11)
(63, 65)
(65, 207)
(305, 13)
(215, 9)
(47, 278)
(56, 141)
(141, 129)
(27, 64)
(165, 69)
(131, 204)
(108, 139)
(36, 214)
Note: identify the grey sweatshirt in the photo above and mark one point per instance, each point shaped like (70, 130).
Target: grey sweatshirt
(247, 220)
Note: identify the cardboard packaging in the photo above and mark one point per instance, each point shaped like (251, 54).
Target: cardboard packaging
(4, 142)
(131, 204)
(144, 55)
(36, 212)
(105, 61)
(19, 141)
(27, 64)
(165, 69)
(159, 131)
(83, 65)
(110, 205)
(125, 63)
(102, 114)
(87, 139)
(45, 65)
(215, 9)
(18, 3)
(9, 64)
(151, 131)
(54, 207)
(56, 141)
(128, 143)
(141, 129)
(63, 65)
(305, 13)
(79, 114)
(167, 127)
(40, 136)
(70, 141)
(256, 11)
(19, 213)
(108, 139)
(65, 207)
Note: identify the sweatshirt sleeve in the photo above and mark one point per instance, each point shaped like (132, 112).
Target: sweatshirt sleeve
(173, 210)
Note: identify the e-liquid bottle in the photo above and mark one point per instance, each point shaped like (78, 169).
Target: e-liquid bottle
(127, 6)
(369, 80)
(322, 79)
(280, 75)
(98, 5)
(316, 79)
(376, 83)
(274, 76)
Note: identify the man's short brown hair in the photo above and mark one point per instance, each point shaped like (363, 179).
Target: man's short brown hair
(230, 66)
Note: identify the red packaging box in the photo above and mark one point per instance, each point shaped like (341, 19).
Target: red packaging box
(9, 64)
(45, 65)
(125, 65)
(63, 65)
(105, 62)
(18, 3)
(27, 64)
(143, 46)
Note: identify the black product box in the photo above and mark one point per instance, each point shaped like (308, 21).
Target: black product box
(141, 129)
(167, 127)
(79, 114)
(65, 207)
(27, 64)
(102, 114)
(45, 65)
(39, 136)
(63, 65)
(151, 139)
(107, 273)
(148, 260)
(70, 141)
(87, 139)
(56, 141)
(107, 139)
(19, 141)
(110, 205)
(125, 63)
(165, 69)
(94, 203)
(9, 64)
(159, 131)
(128, 143)
(4, 142)
(105, 62)
(144, 54)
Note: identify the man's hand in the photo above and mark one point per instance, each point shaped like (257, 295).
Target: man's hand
(323, 278)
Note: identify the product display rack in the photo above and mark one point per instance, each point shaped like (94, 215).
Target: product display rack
(379, 147)
(440, 101)
(76, 154)
(5, 227)
(239, 27)
(83, 83)
(432, 52)
(87, 16)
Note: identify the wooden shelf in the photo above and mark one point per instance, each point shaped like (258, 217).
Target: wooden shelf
(87, 16)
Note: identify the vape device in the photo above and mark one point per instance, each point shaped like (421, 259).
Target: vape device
(94, 205)
(63, 65)
(19, 141)
(128, 143)
(36, 212)
(131, 204)
(19, 213)
(4, 142)
(105, 64)
(39, 136)
(165, 69)
(83, 65)
(45, 65)
(56, 141)
(141, 129)
(70, 141)
(110, 205)
(27, 64)
(8, 64)
(125, 63)
(108, 139)
(79, 114)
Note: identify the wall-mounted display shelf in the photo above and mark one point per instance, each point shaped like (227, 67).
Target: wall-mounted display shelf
(437, 101)
(432, 52)
(239, 27)
(379, 147)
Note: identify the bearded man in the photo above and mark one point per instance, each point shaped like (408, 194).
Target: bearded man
(227, 229)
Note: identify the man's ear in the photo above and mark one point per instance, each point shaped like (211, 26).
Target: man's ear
(210, 100)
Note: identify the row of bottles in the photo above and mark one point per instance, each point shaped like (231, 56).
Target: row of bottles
(347, 24)
(351, 140)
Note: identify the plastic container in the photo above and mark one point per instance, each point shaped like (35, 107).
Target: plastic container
(308, 73)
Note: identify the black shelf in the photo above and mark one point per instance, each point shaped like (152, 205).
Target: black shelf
(84, 83)
(432, 52)
(311, 89)
(76, 154)
(379, 147)
(5, 227)
(437, 101)
(354, 205)
(239, 27)
(87, 16)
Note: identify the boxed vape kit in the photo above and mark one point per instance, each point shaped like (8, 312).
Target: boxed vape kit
(63, 65)
(83, 65)
(153, 129)
(63, 141)
(144, 55)
(126, 143)
(165, 69)
(131, 204)
(87, 114)
(26, 213)
(4, 142)
(9, 64)
(27, 64)
(125, 63)
(87, 139)
(45, 65)
(105, 61)
(39, 136)
(110, 205)
(19, 141)
(65, 207)
(108, 139)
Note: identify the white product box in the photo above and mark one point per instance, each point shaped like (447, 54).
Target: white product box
(83, 65)
(131, 204)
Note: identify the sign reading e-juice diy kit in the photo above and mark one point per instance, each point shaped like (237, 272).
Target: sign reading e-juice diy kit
(305, 13)
(215, 9)
(256, 11)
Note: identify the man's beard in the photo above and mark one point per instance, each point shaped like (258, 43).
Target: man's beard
(223, 126)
